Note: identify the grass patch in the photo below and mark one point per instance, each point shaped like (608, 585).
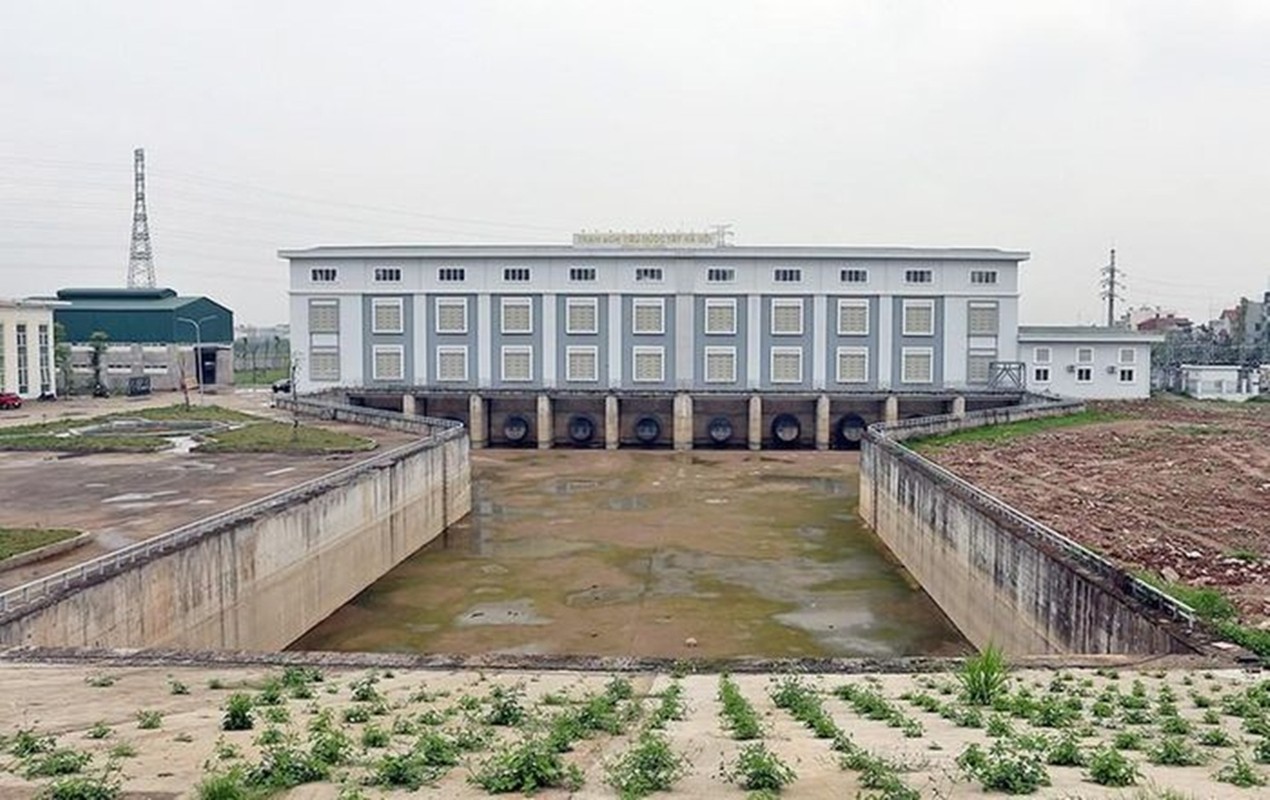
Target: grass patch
(999, 433)
(49, 435)
(19, 540)
(282, 437)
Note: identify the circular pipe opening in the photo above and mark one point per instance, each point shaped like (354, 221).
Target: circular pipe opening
(851, 430)
(786, 429)
(647, 429)
(581, 429)
(719, 430)
(515, 429)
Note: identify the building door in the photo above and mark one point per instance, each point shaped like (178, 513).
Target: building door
(207, 366)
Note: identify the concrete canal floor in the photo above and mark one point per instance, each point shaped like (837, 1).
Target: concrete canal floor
(646, 553)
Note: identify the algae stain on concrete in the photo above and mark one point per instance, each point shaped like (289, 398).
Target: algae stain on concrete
(637, 553)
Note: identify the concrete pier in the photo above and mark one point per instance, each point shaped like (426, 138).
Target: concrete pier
(409, 405)
(681, 437)
(959, 406)
(612, 423)
(546, 431)
(822, 422)
(477, 424)
(755, 438)
(891, 409)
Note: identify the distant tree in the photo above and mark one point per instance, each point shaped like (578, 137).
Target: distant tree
(98, 342)
(62, 358)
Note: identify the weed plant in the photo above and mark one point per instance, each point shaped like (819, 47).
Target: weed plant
(1238, 772)
(649, 766)
(983, 677)
(526, 766)
(149, 720)
(738, 715)
(238, 713)
(1108, 767)
(757, 769)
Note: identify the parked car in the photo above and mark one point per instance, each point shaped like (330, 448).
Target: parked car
(282, 386)
(10, 400)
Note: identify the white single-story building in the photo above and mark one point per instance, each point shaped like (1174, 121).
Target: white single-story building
(1220, 381)
(1094, 363)
(26, 348)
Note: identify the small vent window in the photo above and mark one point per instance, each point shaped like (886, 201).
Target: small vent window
(787, 365)
(451, 316)
(518, 315)
(324, 364)
(649, 364)
(917, 366)
(854, 276)
(720, 317)
(649, 316)
(386, 316)
(853, 317)
(982, 319)
(979, 366)
(919, 319)
(452, 364)
(983, 277)
(720, 275)
(580, 315)
(648, 274)
(918, 276)
(451, 274)
(787, 275)
(388, 363)
(323, 274)
(853, 365)
(787, 317)
(581, 364)
(720, 364)
(387, 274)
(581, 274)
(324, 316)
(518, 364)
(516, 274)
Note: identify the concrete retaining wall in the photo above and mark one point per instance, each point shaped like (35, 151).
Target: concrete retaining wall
(1000, 576)
(257, 577)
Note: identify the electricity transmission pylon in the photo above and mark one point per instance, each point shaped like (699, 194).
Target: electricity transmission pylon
(140, 259)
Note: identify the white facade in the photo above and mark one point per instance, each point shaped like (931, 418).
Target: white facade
(26, 348)
(1220, 382)
(1087, 362)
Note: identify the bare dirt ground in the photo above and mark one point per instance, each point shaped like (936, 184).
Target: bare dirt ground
(189, 744)
(1180, 488)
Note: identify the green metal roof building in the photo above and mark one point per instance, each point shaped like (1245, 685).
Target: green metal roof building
(143, 316)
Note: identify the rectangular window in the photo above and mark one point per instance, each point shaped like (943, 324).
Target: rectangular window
(451, 315)
(853, 317)
(720, 275)
(979, 366)
(1085, 355)
(648, 364)
(854, 276)
(720, 364)
(649, 315)
(387, 274)
(518, 364)
(322, 275)
(1126, 374)
(581, 315)
(581, 274)
(324, 364)
(787, 365)
(452, 363)
(720, 315)
(582, 364)
(389, 362)
(648, 274)
(324, 316)
(919, 318)
(983, 277)
(1128, 355)
(787, 275)
(982, 319)
(451, 274)
(24, 366)
(787, 317)
(46, 366)
(853, 365)
(386, 315)
(1084, 374)
(518, 315)
(1041, 375)
(516, 274)
(917, 365)
(1041, 355)
(918, 276)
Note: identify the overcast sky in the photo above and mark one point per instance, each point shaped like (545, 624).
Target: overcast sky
(1062, 128)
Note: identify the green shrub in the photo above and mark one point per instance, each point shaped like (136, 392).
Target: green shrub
(437, 750)
(270, 736)
(123, 750)
(649, 766)
(374, 737)
(149, 720)
(26, 742)
(80, 787)
(1174, 751)
(357, 714)
(282, 767)
(1261, 751)
(526, 766)
(757, 769)
(1065, 752)
(1215, 737)
(330, 745)
(100, 730)
(301, 676)
(1128, 740)
(1005, 767)
(1109, 767)
(1175, 726)
(739, 716)
(62, 761)
(403, 769)
(983, 677)
(671, 706)
(229, 785)
(238, 713)
(176, 687)
(505, 708)
(364, 690)
(1239, 772)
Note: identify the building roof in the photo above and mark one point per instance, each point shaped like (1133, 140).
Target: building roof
(722, 253)
(112, 299)
(1211, 367)
(1084, 333)
(30, 302)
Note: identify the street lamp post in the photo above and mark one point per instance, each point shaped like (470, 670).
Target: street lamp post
(198, 349)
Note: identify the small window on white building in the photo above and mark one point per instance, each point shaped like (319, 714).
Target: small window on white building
(1084, 355)
(648, 275)
(581, 364)
(720, 363)
(917, 365)
(518, 364)
(919, 318)
(979, 366)
(581, 274)
(649, 315)
(452, 363)
(516, 274)
(1084, 374)
(648, 364)
(720, 315)
(580, 315)
(518, 315)
(787, 365)
(853, 365)
(1042, 355)
(720, 275)
(451, 315)
(324, 316)
(983, 277)
(787, 317)
(854, 275)
(918, 276)
(451, 274)
(787, 275)
(982, 319)
(388, 363)
(853, 317)
(324, 364)
(323, 275)
(387, 274)
(1041, 375)
(1126, 374)
(386, 315)
(1128, 355)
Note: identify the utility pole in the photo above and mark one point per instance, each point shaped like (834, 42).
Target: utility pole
(721, 234)
(140, 259)
(1112, 288)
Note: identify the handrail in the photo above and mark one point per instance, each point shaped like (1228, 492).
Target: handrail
(879, 434)
(435, 431)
